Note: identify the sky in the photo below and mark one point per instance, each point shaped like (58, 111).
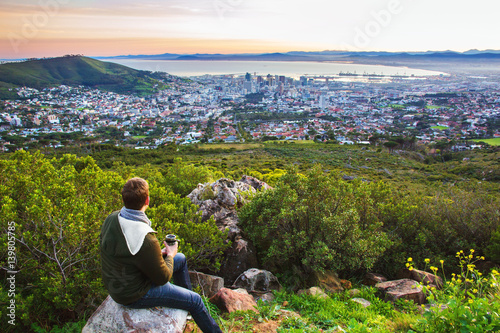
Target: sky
(46, 28)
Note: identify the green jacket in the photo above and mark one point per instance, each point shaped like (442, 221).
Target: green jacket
(128, 277)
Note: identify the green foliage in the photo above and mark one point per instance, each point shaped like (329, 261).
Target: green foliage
(182, 178)
(469, 302)
(311, 223)
(493, 249)
(456, 217)
(58, 207)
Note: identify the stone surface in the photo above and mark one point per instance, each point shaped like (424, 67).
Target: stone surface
(257, 280)
(267, 297)
(354, 292)
(220, 200)
(229, 301)
(112, 317)
(209, 284)
(328, 281)
(404, 288)
(239, 258)
(313, 291)
(255, 183)
(421, 276)
(372, 279)
(361, 301)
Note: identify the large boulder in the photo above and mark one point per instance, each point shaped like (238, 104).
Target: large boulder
(421, 276)
(257, 281)
(240, 257)
(220, 200)
(209, 284)
(112, 317)
(230, 300)
(372, 279)
(255, 183)
(404, 288)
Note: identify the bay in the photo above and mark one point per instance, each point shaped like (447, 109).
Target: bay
(295, 69)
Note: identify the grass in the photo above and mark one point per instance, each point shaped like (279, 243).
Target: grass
(440, 127)
(236, 146)
(491, 142)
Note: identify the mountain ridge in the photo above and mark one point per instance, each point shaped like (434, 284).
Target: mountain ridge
(76, 70)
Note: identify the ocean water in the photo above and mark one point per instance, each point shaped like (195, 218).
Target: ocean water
(293, 69)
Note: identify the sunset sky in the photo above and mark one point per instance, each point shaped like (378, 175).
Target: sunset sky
(111, 27)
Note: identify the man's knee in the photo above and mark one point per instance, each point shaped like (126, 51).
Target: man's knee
(180, 257)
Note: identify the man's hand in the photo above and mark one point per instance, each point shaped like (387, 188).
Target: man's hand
(170, 250)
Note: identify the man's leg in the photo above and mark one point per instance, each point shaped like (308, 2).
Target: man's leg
(176, 297)
(181, 273)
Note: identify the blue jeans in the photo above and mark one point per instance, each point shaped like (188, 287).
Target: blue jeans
(179, 296)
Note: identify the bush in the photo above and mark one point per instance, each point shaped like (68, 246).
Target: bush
(58, 207)
(314, 222)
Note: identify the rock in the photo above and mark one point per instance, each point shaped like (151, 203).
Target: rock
(328, 281)
(362, 301)
(421, 276)
(404, 288)
(313, 291)
(241, 257)
(354, 292)
(112, 317)
(346, 284)
(372, 279)
(209, 284)
(267, 297)
(257, 280)
(255, 183)
(229, 301)
(220, 200)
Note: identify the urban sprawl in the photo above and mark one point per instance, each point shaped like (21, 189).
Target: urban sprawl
(346, 109)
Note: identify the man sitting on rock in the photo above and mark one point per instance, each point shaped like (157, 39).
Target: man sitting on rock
(136, 271)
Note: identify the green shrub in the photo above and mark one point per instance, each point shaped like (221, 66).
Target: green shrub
(314, 222)
(58, 207)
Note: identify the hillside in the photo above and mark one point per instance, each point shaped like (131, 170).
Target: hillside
(75, 71)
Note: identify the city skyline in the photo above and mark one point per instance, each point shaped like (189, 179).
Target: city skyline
(106, 28)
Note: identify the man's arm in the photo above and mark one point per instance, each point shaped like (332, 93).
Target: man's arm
(150, 261)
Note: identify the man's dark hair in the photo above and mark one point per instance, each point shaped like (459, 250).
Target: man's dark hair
(135, 193)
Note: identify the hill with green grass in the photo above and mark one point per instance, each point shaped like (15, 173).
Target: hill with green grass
(75, 71)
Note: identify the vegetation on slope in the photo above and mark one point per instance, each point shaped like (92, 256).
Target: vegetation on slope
(75, 71)
(58, 204)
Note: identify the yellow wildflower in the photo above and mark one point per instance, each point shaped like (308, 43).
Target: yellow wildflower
(410, 259)
(427, 260)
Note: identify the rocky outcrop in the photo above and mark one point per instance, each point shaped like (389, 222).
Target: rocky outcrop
(404, 288)
(230, 300)
(209, 284)
(255, 183)
(257, 281)
(220, 200)
(372, 279)
(112, 317)
(425, 278)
